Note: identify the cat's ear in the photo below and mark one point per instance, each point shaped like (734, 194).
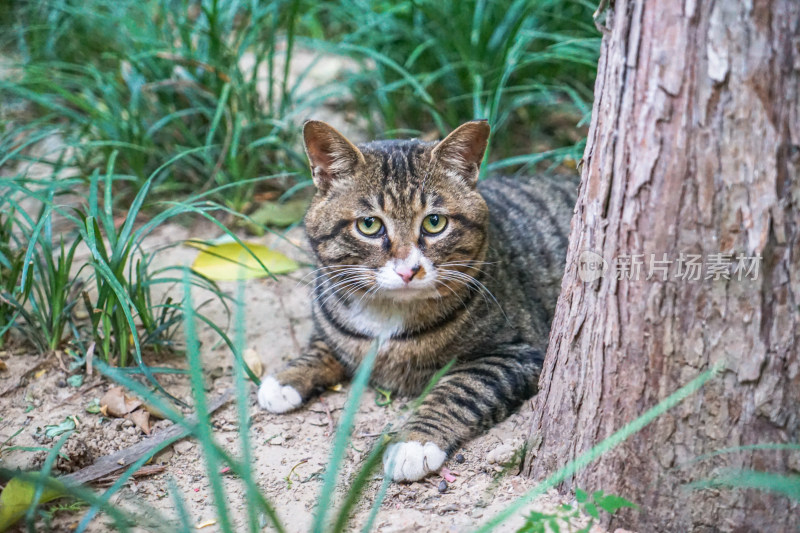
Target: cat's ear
(462, 151)
(330, 154)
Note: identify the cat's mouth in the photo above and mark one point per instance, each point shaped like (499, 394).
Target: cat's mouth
(409, 292)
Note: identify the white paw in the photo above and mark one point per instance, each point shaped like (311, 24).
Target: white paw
(410, 461)
(277, 398)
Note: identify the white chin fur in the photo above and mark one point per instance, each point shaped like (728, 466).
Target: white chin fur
(407, 294)
(277, 398)
(410, 461)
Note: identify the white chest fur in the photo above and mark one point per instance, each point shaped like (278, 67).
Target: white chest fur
(374, 320)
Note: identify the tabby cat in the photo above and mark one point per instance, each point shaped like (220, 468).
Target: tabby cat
(413, 249)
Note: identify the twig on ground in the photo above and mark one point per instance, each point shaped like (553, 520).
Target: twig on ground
(61, 361)
(147, 470)
(89, 359)
(328, 414)
(117, 460)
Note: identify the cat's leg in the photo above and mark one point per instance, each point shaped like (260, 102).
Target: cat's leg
(303, 378)
(472, 397)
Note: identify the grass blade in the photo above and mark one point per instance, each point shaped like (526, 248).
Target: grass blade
(342, 437)
(203, 433)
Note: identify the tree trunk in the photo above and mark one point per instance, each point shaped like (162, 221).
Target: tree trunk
(694, 149)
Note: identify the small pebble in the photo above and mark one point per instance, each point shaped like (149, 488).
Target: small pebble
(443, 486)
(460, 458)
(61, 383)
(183, 447)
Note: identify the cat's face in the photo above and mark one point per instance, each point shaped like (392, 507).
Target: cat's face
(397, 219)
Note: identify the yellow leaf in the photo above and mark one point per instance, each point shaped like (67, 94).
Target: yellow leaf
(230, 261)
(15, 499)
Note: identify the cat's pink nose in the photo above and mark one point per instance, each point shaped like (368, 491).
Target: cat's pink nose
(407, 273)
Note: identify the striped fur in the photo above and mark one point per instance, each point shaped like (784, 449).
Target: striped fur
(488, 283)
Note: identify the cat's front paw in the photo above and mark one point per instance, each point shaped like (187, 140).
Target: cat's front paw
(277, 398)
(412, 460)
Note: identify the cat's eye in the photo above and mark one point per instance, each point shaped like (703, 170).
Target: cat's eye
(369, 226)
(434, 223)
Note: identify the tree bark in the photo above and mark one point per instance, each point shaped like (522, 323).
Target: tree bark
(694, 149)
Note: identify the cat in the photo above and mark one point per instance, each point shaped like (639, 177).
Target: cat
(413, 248)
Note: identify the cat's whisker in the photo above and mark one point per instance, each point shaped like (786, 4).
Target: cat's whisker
(334, 268)
(446, 286)
(337, 270)
(330, 277)
(353, 290)
(354, 286)
(469, 265)
(466, 279)
(476, 283)
(373, 290)
(320, 276)
(450, 277)
(322, 269)
(469, 262)
(339, 284)
(332, 286)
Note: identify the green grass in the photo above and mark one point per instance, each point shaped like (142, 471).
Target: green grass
(439, 63)
(43, 285)
(149, 79)
(144, 80)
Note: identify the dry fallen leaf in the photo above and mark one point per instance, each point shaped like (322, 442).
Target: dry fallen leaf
(141, 418)
(253, 362)
(117, 403)
(3, 366)
(154, 411)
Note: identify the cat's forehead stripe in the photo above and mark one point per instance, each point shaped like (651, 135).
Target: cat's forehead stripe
(399, 166)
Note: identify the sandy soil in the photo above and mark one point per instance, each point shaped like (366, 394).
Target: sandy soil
(290, 450)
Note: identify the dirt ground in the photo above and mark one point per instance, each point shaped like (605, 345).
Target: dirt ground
(290, 450)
